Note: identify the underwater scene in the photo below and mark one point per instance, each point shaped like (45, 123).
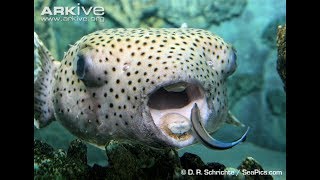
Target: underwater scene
(160, 89)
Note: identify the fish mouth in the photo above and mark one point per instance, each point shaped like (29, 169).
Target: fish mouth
(170, 107)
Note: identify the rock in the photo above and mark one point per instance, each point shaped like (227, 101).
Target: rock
(98, 172)
(47, 33)
(59, 35)
(282, 58)
(241, 85)
(217, 167)
(126, 160)
(233, 174)
(256, 60)
(129, 13)
(156, 13)
(55, 164)
(276, 101)
(133, 160)
(250, 164)
(267, 130)
(191, 161)
(77, 150)
(129, 160)
(201, 13)
(269, 35)
(42, 150)
(44, 28)
(271, 128)
(250, 99)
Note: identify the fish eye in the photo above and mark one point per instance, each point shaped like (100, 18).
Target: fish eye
(80, 66)
(86, 70)
(231, 65)
(233, 62)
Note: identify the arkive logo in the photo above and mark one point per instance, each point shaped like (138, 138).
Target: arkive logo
(74, 10)
(73, 13)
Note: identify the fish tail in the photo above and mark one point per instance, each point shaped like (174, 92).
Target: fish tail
(43, 84)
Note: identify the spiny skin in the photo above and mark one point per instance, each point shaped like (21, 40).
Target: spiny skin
(109, 98)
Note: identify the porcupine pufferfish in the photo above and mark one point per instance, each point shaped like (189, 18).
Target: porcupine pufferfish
(161, 87)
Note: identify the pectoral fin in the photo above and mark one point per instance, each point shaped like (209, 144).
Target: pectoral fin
(231, 119)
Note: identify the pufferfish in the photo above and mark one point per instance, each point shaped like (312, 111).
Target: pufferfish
(161, 87)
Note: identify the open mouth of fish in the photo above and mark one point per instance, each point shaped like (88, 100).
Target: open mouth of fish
(179, 110)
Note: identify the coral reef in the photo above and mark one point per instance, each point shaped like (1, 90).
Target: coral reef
(53, 164)
(128, 13)
(282, 58)
(193, 163)
(128, 159)
(57, 35)
(250, 164)
(242, 85)
(138, 161)
(201, 13)
(232, 176)
(159, 13)
(269, 34)
(256, 102)
(45, 27)
(276, 101)
(131, 13)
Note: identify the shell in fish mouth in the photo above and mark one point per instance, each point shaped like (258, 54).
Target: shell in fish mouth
(204, 136)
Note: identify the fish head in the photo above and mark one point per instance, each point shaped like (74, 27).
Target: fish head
(141, 84)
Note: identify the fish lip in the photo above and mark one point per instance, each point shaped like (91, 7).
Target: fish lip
(191, 82)
(167, 83)
(187, 137)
